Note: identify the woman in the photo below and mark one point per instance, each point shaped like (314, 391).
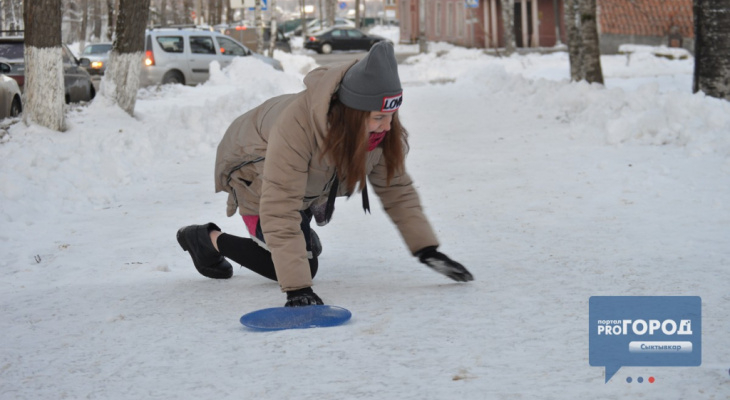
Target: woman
(285, 161)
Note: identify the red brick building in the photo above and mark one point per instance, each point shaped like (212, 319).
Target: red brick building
(540, 23)
(652, 22)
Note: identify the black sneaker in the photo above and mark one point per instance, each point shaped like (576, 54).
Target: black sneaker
(195, 239)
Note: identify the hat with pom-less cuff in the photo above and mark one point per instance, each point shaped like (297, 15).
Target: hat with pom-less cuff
(372, 84)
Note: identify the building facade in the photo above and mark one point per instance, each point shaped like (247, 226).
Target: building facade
(540, 23)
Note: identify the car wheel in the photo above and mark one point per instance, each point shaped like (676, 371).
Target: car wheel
(16, 107)
(174, 77)
(326, 48)
(92, 91)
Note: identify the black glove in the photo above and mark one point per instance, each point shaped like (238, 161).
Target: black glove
(443, 264)
(302, 297)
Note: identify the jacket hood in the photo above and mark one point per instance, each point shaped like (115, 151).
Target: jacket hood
(322, 83)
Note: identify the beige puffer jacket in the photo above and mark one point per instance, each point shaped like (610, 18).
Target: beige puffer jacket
(269, 163)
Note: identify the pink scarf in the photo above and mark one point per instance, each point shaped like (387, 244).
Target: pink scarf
(375, 139)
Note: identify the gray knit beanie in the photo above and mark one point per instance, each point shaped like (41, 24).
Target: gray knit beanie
(372, 84)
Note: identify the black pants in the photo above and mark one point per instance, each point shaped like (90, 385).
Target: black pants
(251, 255)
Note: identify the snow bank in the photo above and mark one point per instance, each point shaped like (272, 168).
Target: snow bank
(104, 148)
(645, 114)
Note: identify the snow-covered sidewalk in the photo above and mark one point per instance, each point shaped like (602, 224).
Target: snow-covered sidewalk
(549, 191)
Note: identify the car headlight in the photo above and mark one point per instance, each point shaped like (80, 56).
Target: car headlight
(97, 64)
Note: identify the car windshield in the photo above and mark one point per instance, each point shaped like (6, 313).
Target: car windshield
(97, 48)
(11, 50)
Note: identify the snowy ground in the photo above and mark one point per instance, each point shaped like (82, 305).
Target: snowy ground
(549, 191)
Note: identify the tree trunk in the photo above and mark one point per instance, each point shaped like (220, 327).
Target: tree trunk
(304, 18)
(188, 8)
(43, 96)
(9, 19)
(229, 12)
(422, 42)
(712, 48)
(84, 23)
(508, 21)
(591, 48)
(175, 12)
(331, 6)
(259, 18)
(357, 14)
(163, 13)
(272, 28)
(96, 16)
(574, 41)
(121, 80)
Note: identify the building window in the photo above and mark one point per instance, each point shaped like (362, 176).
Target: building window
(438, 16)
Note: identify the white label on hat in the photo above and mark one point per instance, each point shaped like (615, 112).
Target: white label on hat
(392, 103)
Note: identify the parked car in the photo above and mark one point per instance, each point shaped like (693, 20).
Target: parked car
(98, 55)
(10, 104)
(11, 53)
(184, 55)
(290, 25)
(247, 36)
(316, 25)
(341, 38)
(77, 82)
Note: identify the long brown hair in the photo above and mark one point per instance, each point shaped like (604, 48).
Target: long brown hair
(346, 145)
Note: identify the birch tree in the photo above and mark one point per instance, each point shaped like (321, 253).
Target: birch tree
(508, 21)
(96, 16)
(12, 15)
(121, 80)
(574, 47)
(583, 44)
(273, 29)
(84, 23)
(43, 96)
(589, 36)
(303, 13)
(330, 7)
(111, 18)
(259, 18)
(229, 12)
(712, 48)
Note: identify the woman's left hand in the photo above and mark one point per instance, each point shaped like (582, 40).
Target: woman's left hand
(302, 297)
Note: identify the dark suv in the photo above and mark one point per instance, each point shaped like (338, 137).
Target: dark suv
(77, 82)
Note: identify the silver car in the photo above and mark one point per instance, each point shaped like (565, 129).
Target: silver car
(10, 104)
(97, 55)
(184, 55)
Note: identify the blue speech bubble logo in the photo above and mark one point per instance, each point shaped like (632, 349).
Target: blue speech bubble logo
(644, 331)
